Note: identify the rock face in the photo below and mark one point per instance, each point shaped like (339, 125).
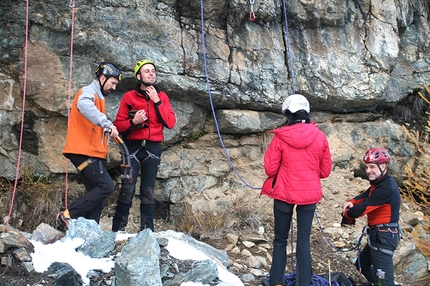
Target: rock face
(346, 57)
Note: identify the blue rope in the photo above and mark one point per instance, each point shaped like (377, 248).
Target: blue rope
(287, 40)
(211, 102)
(343, 250)
(290, 280)
(334, 247)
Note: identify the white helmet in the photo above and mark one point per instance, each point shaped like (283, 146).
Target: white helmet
(294, 103)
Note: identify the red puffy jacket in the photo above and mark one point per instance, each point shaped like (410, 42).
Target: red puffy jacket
(297, 157)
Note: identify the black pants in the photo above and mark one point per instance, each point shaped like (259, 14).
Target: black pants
(283, 213)
(148, 167)
(98, 184)
(371, 259)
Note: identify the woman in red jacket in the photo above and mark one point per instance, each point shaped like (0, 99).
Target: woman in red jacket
(296, 159)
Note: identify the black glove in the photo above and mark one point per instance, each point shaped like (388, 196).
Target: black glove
(347, 221)
(131, 114)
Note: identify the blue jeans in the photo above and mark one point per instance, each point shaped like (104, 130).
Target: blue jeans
(283, 213)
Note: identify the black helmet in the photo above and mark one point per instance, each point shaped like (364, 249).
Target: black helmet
(109, 70)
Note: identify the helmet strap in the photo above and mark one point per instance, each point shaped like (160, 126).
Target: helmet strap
(102, 85)
(380, 170)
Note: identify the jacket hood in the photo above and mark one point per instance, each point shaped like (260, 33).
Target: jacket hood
(299, 135)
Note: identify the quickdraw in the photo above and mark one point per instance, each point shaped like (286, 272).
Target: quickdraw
(251, 12)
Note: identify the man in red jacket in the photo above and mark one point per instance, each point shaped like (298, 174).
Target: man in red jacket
(142, 115)
(296, 159)
(381, 203)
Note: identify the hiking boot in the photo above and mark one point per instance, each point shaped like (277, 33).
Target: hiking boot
(63, 220)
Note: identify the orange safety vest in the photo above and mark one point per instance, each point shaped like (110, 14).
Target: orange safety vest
(83, 137)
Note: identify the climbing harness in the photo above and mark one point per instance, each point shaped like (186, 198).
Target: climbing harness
(18, 163)
(85, 164)
(396, 230)
(149, 155)
(251, 12)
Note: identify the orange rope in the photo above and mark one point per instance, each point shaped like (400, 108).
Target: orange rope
(22, 114)
(72, 6)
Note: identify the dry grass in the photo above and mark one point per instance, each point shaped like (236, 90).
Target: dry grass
(213, 223)
(417, 180)
(417, 176)
(37, 200)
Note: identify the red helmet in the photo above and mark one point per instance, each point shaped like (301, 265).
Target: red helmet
(377, 156)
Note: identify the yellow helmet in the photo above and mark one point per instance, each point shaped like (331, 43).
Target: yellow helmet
(142, 63)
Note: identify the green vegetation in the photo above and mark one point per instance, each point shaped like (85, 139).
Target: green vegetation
(195, 136)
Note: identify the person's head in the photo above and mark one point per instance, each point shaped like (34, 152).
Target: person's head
(108, 76)
(376, 161)
(145, 72)
(296, 109)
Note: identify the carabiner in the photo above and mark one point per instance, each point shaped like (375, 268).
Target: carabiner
(251, 16)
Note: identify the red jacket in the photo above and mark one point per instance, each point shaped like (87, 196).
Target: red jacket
(299, 156)
(160, 115)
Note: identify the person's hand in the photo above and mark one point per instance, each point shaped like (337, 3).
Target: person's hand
(347, 205)
(113, 131)
(152, 93)
(139, 117)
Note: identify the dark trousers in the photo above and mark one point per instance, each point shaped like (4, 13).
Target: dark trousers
(283, 213)
(148, 167)
(371, 259)
(98, 184)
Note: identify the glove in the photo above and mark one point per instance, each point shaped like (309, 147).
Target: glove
(131, 114)
(347, 221)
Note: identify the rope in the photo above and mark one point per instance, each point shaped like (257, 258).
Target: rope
(287, 40)
(343, 250)
(290, 280)
(334, 247)
(72, 29)
(22, 114)
(211, 102)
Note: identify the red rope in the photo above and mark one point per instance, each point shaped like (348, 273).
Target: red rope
(22, 114)
(72, 6)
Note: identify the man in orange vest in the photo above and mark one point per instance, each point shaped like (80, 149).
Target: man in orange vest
(87, 144)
